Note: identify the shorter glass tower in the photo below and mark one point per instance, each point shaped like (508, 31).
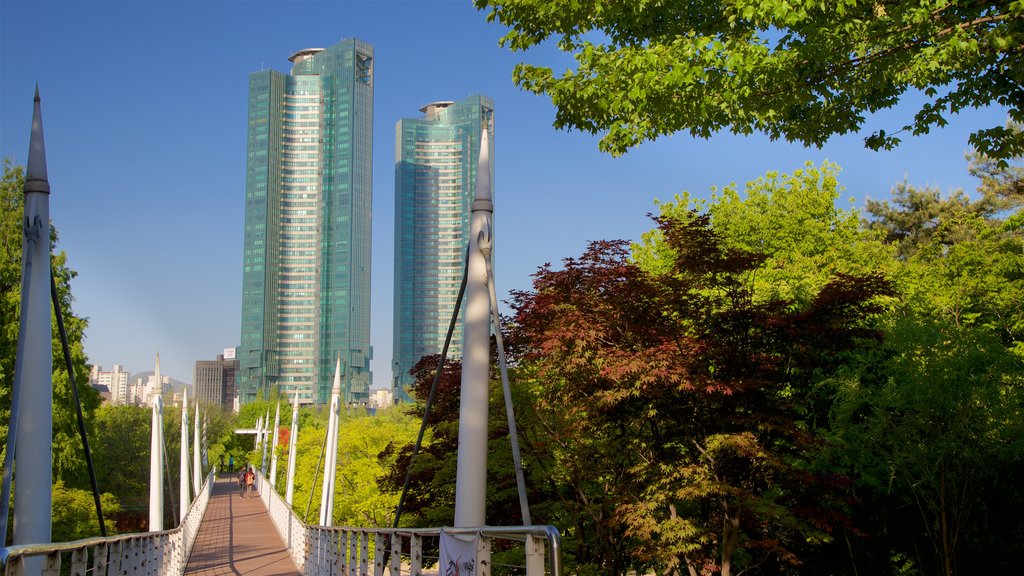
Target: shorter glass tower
(435, 178)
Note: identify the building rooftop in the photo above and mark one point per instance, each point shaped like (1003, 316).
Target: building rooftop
(304, 53)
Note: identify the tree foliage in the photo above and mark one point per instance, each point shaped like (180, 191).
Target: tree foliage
(695, 385)
(797, 70)
(74, 513)
(936, 427)
(362, 438)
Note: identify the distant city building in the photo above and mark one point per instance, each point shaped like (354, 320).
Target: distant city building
(214, 380)
(306, 266)
(381, 399)
(104, 392)
(116, 382)
(435, 178)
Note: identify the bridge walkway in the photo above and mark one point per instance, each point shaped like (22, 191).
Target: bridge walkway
(238, 538)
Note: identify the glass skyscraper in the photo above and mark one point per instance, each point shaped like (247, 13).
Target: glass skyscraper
(435, 178)
(308, 196)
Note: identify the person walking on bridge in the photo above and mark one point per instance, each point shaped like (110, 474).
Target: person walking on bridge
(241, 479)
(250, 479)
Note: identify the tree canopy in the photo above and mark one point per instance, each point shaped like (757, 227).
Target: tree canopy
(794, 69)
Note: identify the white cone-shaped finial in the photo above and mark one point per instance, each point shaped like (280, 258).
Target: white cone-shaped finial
(35, 173)
(331, 460)
(293, 437)
(471, 468)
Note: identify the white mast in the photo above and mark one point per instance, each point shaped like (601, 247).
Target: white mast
(293, 437)
(264, 442)
(471, 471)
(156, 465)
(33, 449)
(331, 461)
(183, 476)
(273, 447)
(197, 466)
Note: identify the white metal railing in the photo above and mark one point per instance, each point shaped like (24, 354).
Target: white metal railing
(144, 553)
(350, 551)
(291, 529)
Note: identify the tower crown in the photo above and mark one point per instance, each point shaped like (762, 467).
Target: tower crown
(304, 53)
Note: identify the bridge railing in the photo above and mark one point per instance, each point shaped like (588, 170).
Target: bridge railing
(351, 551)
(289, 527)
(500, 551)
(143, 553)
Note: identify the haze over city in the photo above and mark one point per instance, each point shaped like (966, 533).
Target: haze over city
(144, 107)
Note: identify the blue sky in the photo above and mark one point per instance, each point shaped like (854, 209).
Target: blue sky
(144, 112)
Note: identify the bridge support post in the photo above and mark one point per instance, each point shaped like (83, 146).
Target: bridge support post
(471, 471)
(396, 554)
(33, 376)
(273, 447)
(156, 465)
(197, 463)
(415, 555)
(293, 438)
(534, 555)
(183, 471)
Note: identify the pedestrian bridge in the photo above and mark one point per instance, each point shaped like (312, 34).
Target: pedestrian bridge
(225, 534)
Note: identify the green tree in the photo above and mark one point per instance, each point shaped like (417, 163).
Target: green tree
(74, 513)
(362, 438)
(790, 219)
(797, 70)
(696, 388)
(935, 429)
(121, 456)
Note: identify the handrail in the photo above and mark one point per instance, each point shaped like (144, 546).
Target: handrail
(326, 549)
(123, 554)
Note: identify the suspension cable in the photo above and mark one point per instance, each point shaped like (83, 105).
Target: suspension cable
(58, 312)
(167, 474)
(319, 462)
(524, 505)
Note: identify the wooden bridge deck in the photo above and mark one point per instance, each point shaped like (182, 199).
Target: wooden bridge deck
(237, 537)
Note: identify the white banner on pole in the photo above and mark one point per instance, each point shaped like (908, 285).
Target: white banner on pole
(458, 554)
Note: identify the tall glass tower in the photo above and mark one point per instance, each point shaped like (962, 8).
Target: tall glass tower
(435, 178)
(308, 197)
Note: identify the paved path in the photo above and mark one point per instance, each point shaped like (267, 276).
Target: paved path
(237, 538)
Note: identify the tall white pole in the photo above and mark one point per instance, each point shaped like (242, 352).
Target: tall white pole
(197, 463)
(183, 475)
(33, 448)
(471, 471)
(331, 460)
(264, 441)
(293, 435)
(156, 466)
(205, 442)
(273, 447)
(259, 427)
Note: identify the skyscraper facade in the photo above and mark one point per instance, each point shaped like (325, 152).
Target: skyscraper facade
(435, 178)
(308, 198)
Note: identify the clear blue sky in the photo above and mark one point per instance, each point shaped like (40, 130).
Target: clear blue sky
(144, 109)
